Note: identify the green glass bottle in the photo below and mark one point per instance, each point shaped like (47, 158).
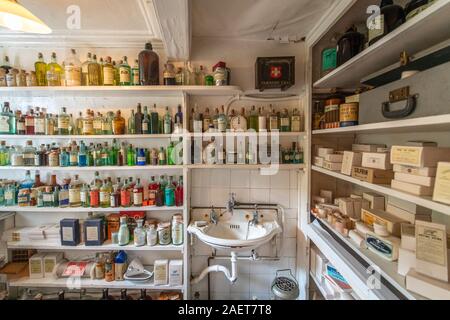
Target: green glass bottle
(253, 119)
(40, 68)
(154, 120)
(63, 122)
(124, 73)
(170, 154)
(131, 156)
(146, 125)
(285, 121)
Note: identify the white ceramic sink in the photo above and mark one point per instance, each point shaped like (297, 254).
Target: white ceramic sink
(235, 232)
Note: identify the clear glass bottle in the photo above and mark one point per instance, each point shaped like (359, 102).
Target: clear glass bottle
(169, 75)
(74, 192)
(273, 120)
(206, 120)
(124, 232)
(39, 122)
(64, 194)
(85, 70)
(148, 66)
(105, 195)
(285, 123)
(109, 73)
(98, 120)
(4, 154)
(262, 120)
(152, 236)
(7, 120)
(139, 234)
(84, 196)
(55, 73)
(88, 123)
(94, 73)
(107, 123)
(135, 73)
(179, 77)
(63, 122)
(40, 68)
(29, 122)
(124, 73)
(296, 121)
(131, 123)
(177, 230)
(167, 122)
(28, 154)
(222, 121)
(138, 194)
(72, 70)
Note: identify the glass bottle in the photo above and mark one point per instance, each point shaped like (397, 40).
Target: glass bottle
(179, 77)
(177, 231)
(179, 193)
(349, 45)
(262, 120)
(167, 122)
(88, 123)
(296, 121)
(85, 70)
(273, 120)
(206, 120)
(154, 120)
(222, 122)
(82, 155)
(84, 196)
(169, 75)
(40, 68)
(115, 197)
(7, 120)
(131, 123)
(253, 119)
(20, 123)
(29, 122)
(104, 195)
(28, 154)
(109, 73)
(139, 234)
(118, 126)
(74, 193)
(107, 123)
(124, 73)
(148, 66)
(141, 158)
(64, 194)
(98, 124)
(162, 157)
(178, 125)
(124, 232)
(63, 122)
(73, 155)
(6, 65)
(285, 125)
(138, 119)
(135, 73)
(329, 56)
(4, 154)
(146, 125)
(169, 193)
(138, 194)
(131, 156)
(390, 18)
(72, 70)
(152, 188)
(94, 76)
(55, 73)
(39, 122)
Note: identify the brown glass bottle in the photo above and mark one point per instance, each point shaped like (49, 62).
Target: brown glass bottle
(118, 124)
(349, 45)
(391, 17)
(106, 296)
(124, 296)
(148, 66)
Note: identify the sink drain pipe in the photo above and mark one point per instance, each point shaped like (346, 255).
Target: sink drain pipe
(232, 277)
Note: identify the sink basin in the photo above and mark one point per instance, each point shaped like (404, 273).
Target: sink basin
(235, 232)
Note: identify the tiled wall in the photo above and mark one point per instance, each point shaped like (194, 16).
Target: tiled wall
(212, 188)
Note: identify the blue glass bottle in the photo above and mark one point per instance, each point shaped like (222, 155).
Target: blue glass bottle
(82, 156)
(169, 193)
(64, 158)
(64, 195)
(141, 158)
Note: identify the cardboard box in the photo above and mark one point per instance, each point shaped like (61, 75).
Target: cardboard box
(376, 161)
(432, 250)
(406, 215)
(334, 157)
(423, 172)
(393, 223)
(419, 157)
(414, 189)
(70, 232)
(350, 160)
(408, 237)
(161, 272)
(176, 272)
(352, 99)
(406, 261)
(385, 247)
(333, 166)
(320, 200)
(328, 195)
(376, 201)
(367, 147)
(36, 266)
(318, 161)
(50, 262)
(409, 178)
(375, 176)
(322, 152)
(409, 206)
(442, 187)
(426, 286)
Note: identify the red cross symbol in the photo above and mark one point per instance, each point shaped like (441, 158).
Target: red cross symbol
(275, 72)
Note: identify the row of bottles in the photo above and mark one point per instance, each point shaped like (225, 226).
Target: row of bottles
(258, 120)
(92, 72)
(343, 47)
(93, 155)
(105, 294)
(100, 193)
(38, 122)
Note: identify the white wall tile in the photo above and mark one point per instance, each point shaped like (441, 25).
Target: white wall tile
(220, 283)
(200, 178)
(200, 197)
(293, 199)
(219, 178)
(242, 195)
(260, 284)
(219, 196)
(289, 247)
(291, 213)
(280, 196)
(290, 228)
(260, 195)
(258, 181)
(280, 180)
(240, 179)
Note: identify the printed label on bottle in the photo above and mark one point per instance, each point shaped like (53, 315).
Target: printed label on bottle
(8, 195)
(92, 234)
(284, 122)
(53, 160)
(124, 75)
(47, 197)
(39, 125)
(106, 126)
(125, 198)
(63, 123)
(144, 126)
(20, 126)
(97, 124)
(108, 76)
(141, 160)
(104, 196)
(136, 78)
(295, 124)
(88, 127)
(73, 159)
(67, 234)
(29, 122)
(72, 75)
(137, 198)
(74, 196)
(83, 197)
(4, 124)
(376, 27)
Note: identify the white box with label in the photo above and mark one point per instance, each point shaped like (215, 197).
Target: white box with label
(442, 187)
(423, 172)
(322, 152)
(367, 147)
(419, 157)
(376, 201)
(410, 178)
(50, 262)
(376, 161)
(414, 189)
(176, 272)
(36, 266)
(351, 159)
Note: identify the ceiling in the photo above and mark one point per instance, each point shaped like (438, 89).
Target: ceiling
(255, 19)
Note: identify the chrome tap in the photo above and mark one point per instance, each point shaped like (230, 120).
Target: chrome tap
(213, 216)
(231, 203)
(255, 220)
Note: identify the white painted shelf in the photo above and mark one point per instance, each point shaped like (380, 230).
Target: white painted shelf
(50, 210)
(387, 269)
(246, 134)
(93, 169)
(6, 215)
(120, 91)
(387, 190)
(321, 287)
(247, 166)
(428, 28)
(42, 245)
(350, 268)
(88, 283)
(92, 137)
(423, 124)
